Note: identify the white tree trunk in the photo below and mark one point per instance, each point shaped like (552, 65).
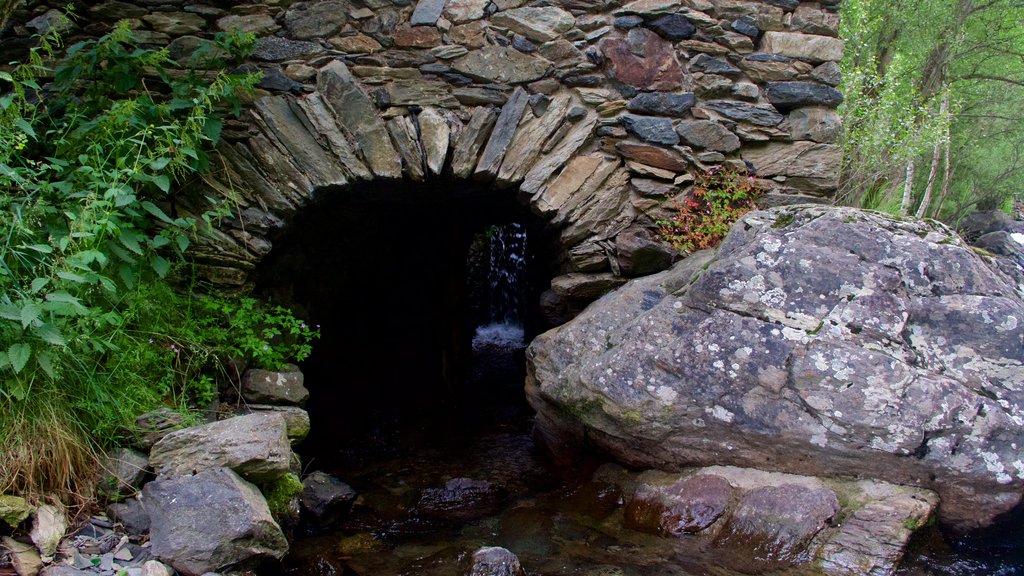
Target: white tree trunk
(908, 188)
(936, 156)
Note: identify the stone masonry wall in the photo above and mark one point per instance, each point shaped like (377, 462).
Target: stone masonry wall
(597, 111)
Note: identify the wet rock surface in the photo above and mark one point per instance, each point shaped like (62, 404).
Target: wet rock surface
(872, 369)
(461, 499)
(325, 498)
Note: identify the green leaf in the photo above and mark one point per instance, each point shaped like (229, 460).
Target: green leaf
(19, 355)
(182, 241)
(160, 265)
(50, 334)
(38, 284)
(45, 361)
(156, 211)
(41, 248)
(162, 182)
(29, 313)
(127, 274)
(160, 163)
(10, 312)
(26, 127)
(212, 128)
(72, 277)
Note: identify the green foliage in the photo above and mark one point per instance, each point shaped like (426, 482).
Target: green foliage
(719, 197)
(902, 58)
(266, 336)
(91, 331)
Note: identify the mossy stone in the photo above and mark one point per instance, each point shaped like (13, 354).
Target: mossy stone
(14, 510)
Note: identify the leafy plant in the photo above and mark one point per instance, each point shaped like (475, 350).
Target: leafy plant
(718, 198)
(91, 333)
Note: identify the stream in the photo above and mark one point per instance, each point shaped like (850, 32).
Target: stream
(559, 522)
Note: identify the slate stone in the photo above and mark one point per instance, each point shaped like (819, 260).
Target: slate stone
(712, 65)
(786, 96)
(662, 103)
(745, 25)
(787, 5)
(708, 135)
(539, 24)
(354, 110)
(312, 20)
(628, 22)
(130, 514)
(275, 80)
(471, 141)
(653, 129)
(501, 64)
(760, 115)
(522, 44)
(828, 73)
(809, 47)
(674, 27)
(639, 254)
(426, 12)
(653, 156)
(501, 135)
(275, 49)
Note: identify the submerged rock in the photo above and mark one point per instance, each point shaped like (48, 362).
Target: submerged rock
(325, 498)
(495, 561)
(816, 341)
(461, 499)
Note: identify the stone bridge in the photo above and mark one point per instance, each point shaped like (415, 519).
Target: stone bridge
(595, 113)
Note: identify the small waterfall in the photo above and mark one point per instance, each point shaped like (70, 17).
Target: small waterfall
(506, 297)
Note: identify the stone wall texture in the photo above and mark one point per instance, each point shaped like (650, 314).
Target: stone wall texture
(596, 112)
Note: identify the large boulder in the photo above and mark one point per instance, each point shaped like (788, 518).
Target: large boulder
(822, 341)
(256, 446)
(209, 521)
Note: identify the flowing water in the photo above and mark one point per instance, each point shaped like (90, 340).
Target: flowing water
(559, 522)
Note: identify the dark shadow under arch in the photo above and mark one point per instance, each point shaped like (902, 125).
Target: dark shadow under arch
(382, 267)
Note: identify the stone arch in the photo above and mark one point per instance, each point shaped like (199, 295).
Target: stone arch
(335, 137)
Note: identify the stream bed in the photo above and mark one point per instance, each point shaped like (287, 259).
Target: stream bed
(556, 521)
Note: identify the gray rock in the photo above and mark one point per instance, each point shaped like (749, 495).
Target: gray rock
(210, 521)
(260, 24)
(502, 64)
(49, 524)
(745, 25)
(353, 109)
(426, 12)
(981, 222)
(814, 123)
(540, 24)
(296, 419)
(585, 286)
(818, 340)
(325, 498)
(285, 123)
(435, 134)
(759, 115)
(152, 426)
(708, 135)
(674, 27)
(808, 47)
(639, 254)
(494, 561)
(23, 557)
(472, 139)
(312, 20)
(274, 80)
(131, 514)
(770, 67)
(501, 136)
(712, 65)
(255, 446)
(815, 165)
(274, 49)
(828, 73)
(650, 129)
(175, 23)
(786, 96)
(662, 103)
(122, 473)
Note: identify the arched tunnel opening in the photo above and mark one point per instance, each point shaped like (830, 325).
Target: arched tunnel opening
(426, 294)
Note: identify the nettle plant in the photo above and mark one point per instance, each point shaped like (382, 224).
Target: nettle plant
(86, 177)
(718, 198)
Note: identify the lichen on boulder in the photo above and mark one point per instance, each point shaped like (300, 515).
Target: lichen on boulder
(815, 340)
